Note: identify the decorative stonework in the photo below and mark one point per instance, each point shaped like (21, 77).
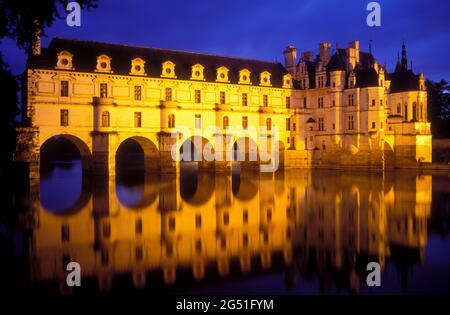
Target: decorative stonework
(244, 77)
(103, 64)
(197, 72)
(137, 67)
(264, 79)
(64, 61)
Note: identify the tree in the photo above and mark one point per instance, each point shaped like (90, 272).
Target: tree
(439, 108)
(21, 20)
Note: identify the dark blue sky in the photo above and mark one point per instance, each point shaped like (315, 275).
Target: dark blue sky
(261, 29)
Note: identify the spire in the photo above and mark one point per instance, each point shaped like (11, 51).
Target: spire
(404, 59)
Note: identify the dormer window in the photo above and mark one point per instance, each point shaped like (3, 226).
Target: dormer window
(137, 66)
(222, 74)
(244, 76)
(64, 60)
(351, 80)
(168, 70)
(197, 72)
(264, 78)
(287, 81)
(103, 64)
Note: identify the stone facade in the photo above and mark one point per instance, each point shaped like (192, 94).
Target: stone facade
(339, 109)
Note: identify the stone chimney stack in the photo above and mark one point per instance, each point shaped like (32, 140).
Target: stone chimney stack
(290, 59)
(353, 54)
(325, 53)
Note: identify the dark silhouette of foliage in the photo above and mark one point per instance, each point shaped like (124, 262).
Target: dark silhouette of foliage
(439, 108)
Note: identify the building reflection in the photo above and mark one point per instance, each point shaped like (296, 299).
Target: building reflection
(307, 223)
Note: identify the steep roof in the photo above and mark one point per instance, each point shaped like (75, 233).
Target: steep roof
(403, 80)
(85, 58)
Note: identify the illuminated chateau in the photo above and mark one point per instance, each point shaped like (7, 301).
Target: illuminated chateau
(338, 108)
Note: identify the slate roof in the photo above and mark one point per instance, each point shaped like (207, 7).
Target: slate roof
(403, 80)
(85, 59)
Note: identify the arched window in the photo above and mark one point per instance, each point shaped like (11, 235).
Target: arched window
(105, 119)
(225, 122)
(399, 108)
(171, 121)
(414, 117)
(269, 124)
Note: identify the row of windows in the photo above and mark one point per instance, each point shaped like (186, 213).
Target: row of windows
(64, 92)
(106, 120)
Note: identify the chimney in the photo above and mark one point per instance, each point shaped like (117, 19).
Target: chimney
(290, 59)
(325, 53)
(308, 56)
(353, 54)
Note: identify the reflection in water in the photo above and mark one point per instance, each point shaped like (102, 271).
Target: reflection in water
(314, 231)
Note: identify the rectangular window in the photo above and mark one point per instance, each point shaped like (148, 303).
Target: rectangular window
(293, 127)
(304, 102)
(334, 126)
(288, 124)
(65, 88)
(244, 122)
(198, 121)
(138, 119)
(197, 97)
(350, 123)
(350, 99)
(137, 92)
(64, 117)
(320, 102)
(373, 102)
(321, 125)
(244, 99)
(103, 90)
(288, 102)
(168, 94)
(334, 103)
(222, 97)
(373, 125)
(265, 100)
(381, 103)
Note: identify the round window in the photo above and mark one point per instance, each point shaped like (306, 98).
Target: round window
(137, 68)
(103, 65)
(222, 76)
(265, 80)
(64, 62)
(244, 78)
(168, 70)
(288, 82)
(197, 73)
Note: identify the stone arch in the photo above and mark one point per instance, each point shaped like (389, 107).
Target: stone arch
(197, 150)
(245, 153)
(81, 146)
(137, 153)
